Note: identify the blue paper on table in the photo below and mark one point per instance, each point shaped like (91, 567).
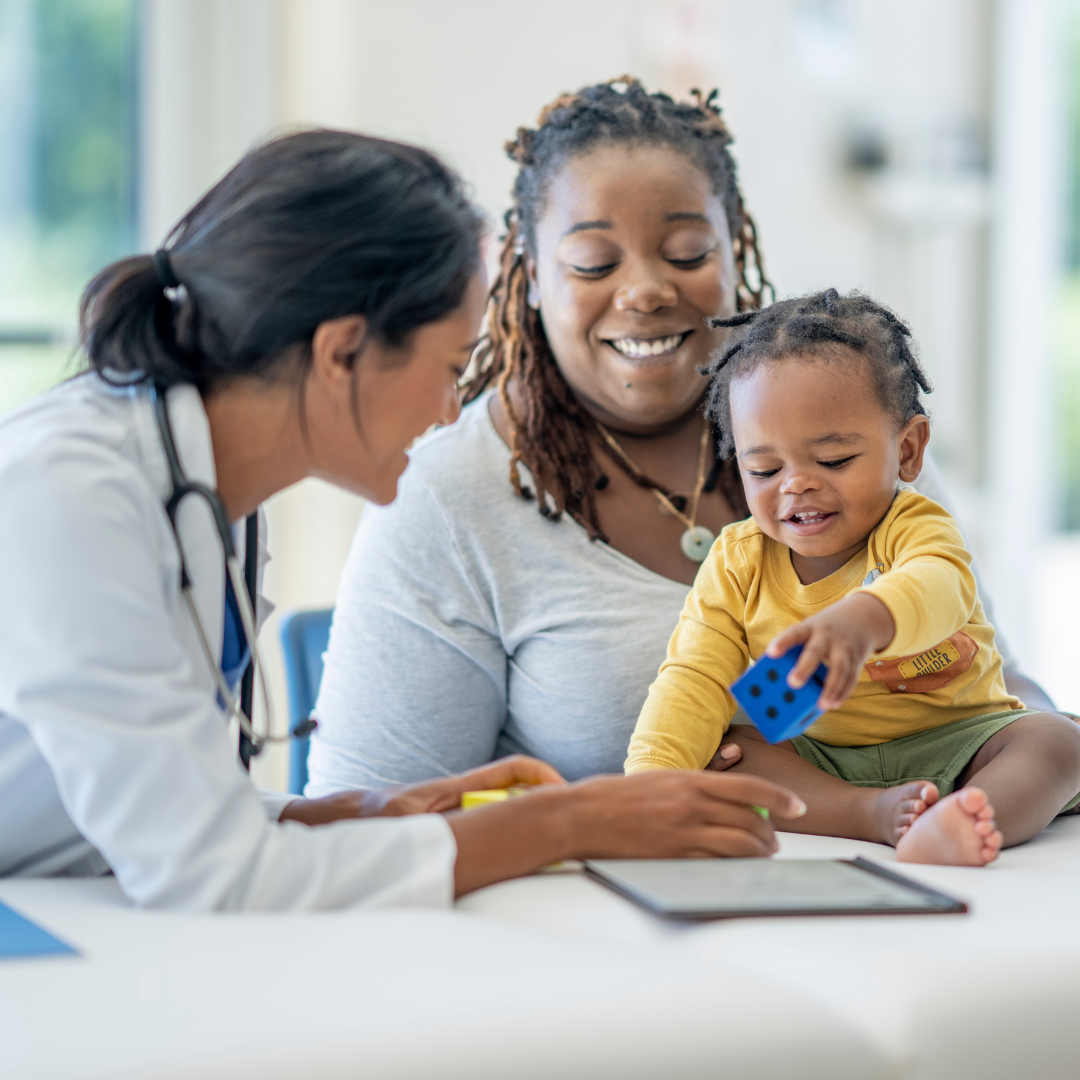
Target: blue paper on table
(21, 937)
(778, 711)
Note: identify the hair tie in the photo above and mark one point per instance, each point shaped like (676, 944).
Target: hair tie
(163, 268)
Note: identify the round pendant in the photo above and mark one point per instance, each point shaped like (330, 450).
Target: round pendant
(696, 542)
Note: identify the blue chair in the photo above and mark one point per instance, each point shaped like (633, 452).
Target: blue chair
(304, 637)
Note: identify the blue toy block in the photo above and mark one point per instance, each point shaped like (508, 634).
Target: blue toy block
(778, 711)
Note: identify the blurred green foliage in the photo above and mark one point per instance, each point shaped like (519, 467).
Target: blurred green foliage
(1072, 146)
(85, 125)
(76, 83)
(1066, 395)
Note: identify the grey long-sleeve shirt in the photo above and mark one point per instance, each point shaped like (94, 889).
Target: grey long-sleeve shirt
(468, 627)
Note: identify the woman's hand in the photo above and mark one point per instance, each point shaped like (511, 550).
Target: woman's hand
(437, 796)
(662, 814)
(430, 797)
(843, 636)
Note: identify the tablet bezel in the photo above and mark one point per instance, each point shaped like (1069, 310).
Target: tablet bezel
(948, 905)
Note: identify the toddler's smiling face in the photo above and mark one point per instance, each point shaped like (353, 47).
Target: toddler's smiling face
(820, 456)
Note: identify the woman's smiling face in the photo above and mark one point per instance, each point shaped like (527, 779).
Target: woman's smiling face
(633, 252)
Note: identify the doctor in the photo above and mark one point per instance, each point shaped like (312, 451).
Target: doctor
(311, 317)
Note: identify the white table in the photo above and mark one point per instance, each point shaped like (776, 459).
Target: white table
(555, 976)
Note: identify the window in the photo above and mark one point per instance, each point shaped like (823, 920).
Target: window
(68, 183)
(1066, 356)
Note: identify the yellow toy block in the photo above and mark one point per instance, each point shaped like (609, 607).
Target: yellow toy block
(470, 800)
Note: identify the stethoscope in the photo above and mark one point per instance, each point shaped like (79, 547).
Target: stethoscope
(182, 487)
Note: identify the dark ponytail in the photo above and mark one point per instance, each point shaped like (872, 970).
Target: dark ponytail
(309, 227)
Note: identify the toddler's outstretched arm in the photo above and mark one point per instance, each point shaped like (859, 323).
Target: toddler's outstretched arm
(843, 636)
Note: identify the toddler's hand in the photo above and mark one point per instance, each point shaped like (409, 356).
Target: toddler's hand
(843, 635)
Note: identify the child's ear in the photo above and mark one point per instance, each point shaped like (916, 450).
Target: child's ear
(912, 439)
(533, 294)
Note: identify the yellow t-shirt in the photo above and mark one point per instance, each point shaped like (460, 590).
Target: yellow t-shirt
(941, 666)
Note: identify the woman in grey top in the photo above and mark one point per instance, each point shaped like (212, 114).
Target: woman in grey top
(470, 625)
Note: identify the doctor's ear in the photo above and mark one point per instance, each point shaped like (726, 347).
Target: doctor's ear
(335, 347)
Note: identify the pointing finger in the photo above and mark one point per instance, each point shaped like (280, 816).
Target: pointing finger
(787, 639)
(812, 655)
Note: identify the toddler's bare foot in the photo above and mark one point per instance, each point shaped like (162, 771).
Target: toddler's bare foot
(894, 809)
(959, 831)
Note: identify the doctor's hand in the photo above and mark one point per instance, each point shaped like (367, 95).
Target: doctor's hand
(429, 797)
(653, 815)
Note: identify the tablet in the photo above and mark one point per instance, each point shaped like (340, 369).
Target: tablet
(741, 888)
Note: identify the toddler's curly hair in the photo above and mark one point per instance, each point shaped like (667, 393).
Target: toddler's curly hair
(819, 324)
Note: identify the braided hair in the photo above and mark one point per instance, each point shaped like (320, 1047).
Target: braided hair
(816, 325)
(553, 436)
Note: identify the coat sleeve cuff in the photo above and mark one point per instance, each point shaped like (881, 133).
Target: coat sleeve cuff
(432, 883)
(274, 802)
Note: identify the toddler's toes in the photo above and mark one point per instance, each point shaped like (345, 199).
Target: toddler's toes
(959, 830)
(897, 807)
(991, 846)
(975, 801)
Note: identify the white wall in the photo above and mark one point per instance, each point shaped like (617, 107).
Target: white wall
(1029, 177)
(210, 88)
(456, 77)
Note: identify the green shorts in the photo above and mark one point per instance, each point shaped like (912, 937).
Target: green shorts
(939, 755)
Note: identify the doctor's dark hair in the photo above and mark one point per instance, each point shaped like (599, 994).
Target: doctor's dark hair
(551, 434)
(823, 324)
(309, 227)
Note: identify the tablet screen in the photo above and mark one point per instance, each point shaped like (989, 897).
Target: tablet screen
(715, 888)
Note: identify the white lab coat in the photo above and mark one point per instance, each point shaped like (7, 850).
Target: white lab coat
(113, 751)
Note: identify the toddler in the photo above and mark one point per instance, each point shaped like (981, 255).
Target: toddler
(819, 398)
